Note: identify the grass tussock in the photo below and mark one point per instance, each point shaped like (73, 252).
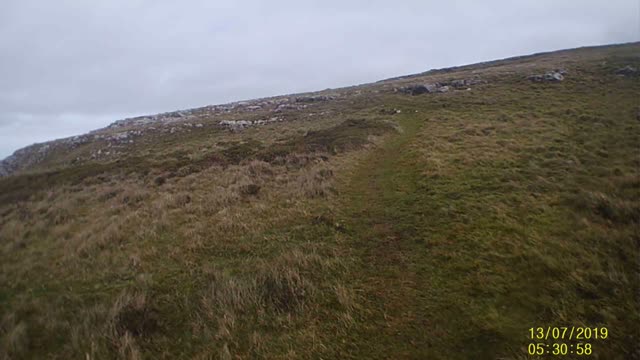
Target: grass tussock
(613, 208)
(315, 183)
(14, 337)
(278, 285)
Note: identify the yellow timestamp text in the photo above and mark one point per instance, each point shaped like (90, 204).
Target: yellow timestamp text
(568, 333)
(565, 340)
(560, 349)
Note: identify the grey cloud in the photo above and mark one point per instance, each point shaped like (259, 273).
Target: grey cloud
(70, 66)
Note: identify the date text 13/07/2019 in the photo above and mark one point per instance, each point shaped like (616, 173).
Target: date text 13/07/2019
(568, 333)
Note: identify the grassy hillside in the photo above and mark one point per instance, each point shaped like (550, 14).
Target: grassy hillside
(351, 230)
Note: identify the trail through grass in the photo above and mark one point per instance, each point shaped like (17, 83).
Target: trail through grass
(469, 230)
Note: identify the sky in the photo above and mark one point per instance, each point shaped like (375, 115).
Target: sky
(71, 66)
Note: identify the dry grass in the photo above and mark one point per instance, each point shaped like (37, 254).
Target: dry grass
(14, 336)
(613, 208)
(113, 241)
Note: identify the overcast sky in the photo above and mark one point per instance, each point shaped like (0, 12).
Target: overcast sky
(67, 67)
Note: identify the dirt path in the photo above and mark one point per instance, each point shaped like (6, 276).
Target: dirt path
(397, 322)
(414, 303)
(472, 226)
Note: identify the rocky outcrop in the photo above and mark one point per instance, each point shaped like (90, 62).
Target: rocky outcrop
(316, 98)
(414, 89)
(464, 84)
(393, 111)
(420, 89)
(113, 139)
(627, 71)
(24, 158)
(440, 87)
(551, 76)
(242, 124)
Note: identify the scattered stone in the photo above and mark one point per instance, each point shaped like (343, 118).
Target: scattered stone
(459, 84)
(121, 137)
(307, 99)
(551, 76)
(390, 111)
(464, 84)
(627, 71)
(235, 124)
(242, 124)
(431, 88)
(555, 76)
(420, 89)
(415, 89)
(536, 78)
(440, 87)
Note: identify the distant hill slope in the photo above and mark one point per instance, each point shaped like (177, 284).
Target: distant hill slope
(113, 141)
(445, 215)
